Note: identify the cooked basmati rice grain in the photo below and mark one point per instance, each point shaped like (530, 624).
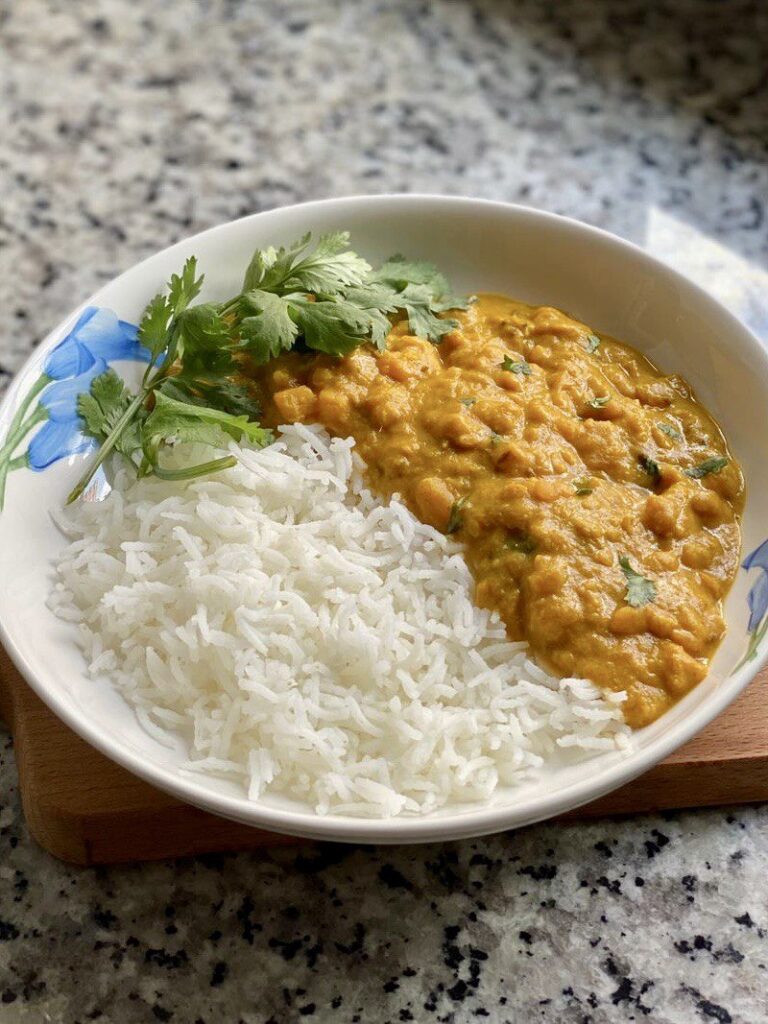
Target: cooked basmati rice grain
(310, 640)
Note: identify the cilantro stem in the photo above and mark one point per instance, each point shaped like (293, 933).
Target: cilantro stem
(110, 442)
(230, 306)
(171, 352)
(190, 472)
(164, 359)
(150, 367)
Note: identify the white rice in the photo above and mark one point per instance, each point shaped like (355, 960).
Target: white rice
(309, 640)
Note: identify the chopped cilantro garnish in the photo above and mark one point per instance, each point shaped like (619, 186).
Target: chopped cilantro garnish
(713, 465)
(649, 466)
(670, 431)
(455, 519)
(516, 366)
(583, 486)
(593, 343)
(640, 590)
(521, 543)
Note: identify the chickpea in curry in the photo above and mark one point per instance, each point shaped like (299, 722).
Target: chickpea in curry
(555, 456)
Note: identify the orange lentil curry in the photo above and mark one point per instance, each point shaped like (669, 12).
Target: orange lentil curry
(596, 498)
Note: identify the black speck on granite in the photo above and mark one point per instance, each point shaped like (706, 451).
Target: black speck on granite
(126, 126)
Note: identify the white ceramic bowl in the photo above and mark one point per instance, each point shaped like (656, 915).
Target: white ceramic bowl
(540, 258)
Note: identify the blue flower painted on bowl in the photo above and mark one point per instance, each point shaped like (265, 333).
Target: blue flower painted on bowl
(97, 339)
(758, 595)
(757, 626)
(98, 334)
(61, 435)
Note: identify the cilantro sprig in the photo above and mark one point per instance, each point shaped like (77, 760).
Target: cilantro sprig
(326, 298)
(190, 390)
(331, 300)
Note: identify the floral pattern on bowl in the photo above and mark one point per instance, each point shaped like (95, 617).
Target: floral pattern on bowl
(757, 626)
(97, 339)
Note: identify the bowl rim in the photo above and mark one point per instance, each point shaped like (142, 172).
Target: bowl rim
(475, 821)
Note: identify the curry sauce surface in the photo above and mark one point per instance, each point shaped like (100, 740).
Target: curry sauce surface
(549, 473)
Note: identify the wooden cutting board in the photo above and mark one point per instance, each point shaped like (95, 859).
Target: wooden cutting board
(84, 809)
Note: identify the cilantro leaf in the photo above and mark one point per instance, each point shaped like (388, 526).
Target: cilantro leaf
(455, 520)
(333, 327)
(593, 343)
(102, 407)
(670, 431)
(468, 402)
(417, 301)
(377, 300)
(452, 301)
(516, 366)
(329, 269)
(204, 339)
(184, 287)
(261, 262)
(640, 590)
(583, 486)
(599, 401)
(270, 267)
(172, 421)
(713, 465)
(219, 391)
(399, 273)
(374, 296)
(153, 329)
(162, 428)
(520, 542)
(649, 466)
(378, 328)
(269, 328)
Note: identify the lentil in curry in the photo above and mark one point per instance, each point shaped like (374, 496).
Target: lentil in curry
(556, 457)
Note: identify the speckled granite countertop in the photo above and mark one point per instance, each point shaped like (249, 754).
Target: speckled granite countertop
(128, 125)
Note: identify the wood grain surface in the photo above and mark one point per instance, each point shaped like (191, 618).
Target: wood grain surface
(85, 809)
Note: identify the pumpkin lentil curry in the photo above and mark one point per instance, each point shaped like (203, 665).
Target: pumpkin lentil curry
(596, 498)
